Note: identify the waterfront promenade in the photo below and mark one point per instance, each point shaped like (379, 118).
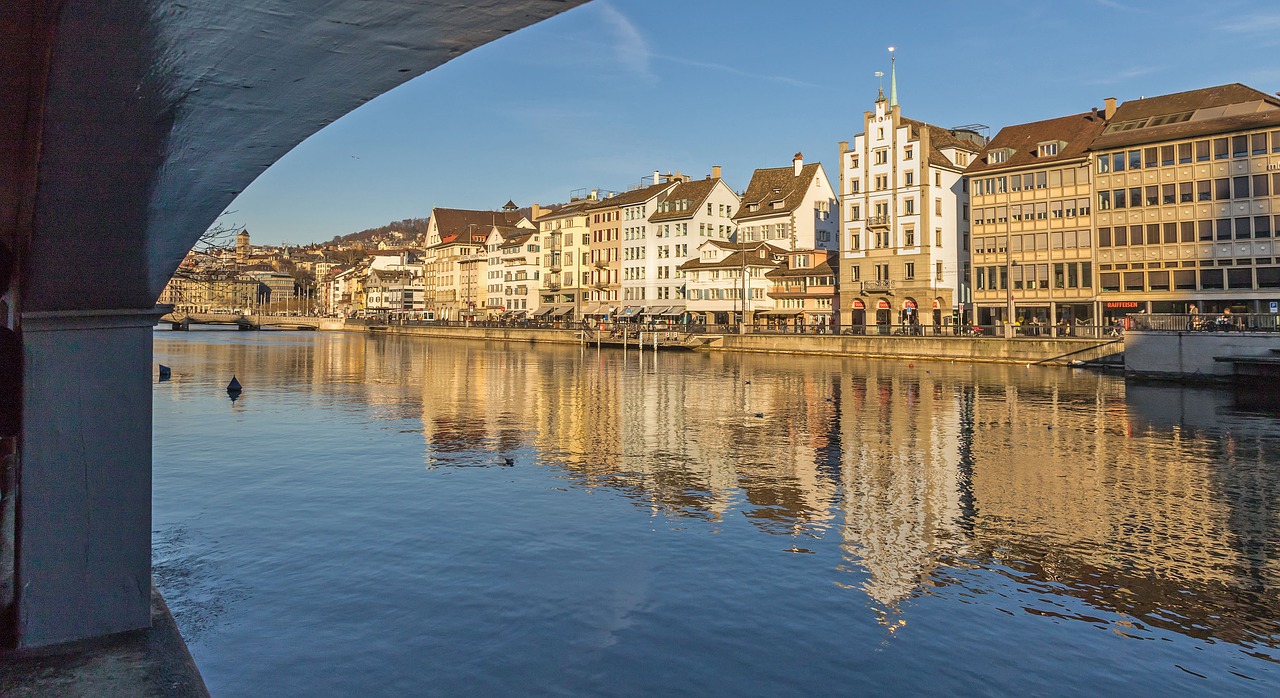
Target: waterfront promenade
(1039, 349)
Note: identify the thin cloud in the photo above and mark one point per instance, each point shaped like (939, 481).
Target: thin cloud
(1112, 4)
(629, 45)
(1253, 24)
(1125, 75)
(735, 71)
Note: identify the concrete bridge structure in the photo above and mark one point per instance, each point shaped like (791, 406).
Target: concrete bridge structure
(126, 127)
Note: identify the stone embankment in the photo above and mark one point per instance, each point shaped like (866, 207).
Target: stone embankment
(1023, 350)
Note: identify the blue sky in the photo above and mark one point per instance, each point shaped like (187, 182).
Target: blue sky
(605, 93)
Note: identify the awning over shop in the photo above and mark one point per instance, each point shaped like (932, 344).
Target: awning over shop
(591, 310)
(631, 311)
(655, 310)
(675, 311)
(543, 311)
(563, 311)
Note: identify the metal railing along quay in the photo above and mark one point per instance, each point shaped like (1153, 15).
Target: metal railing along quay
(1205, 322)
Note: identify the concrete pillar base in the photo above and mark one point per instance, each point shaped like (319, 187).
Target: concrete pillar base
(84, 482)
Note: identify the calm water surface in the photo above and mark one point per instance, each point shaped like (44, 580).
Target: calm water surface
(401, 516)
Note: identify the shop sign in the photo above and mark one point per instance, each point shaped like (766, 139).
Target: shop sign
(909, 305)
(882, 304)
(1121, 305)
(859, 305)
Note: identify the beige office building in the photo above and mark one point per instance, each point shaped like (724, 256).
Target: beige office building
(1030, 208)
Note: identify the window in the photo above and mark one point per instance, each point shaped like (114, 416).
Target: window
(910, 270)
(908, 153)
(882, 156)
(855, 186)
(1261, 185)
(909, 237)
(1104, 201)
(1239, 146)
(937, 271)
(855, 212)
(998, 156)
(855, 241)
(1047, 149)
(910, 206)
(1202, 151)
(1220, 149)
(1222, 189)
(1135, 159)
(909, 179)
(937, 237)
(1240, 187)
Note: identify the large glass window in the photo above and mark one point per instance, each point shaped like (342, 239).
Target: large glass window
(1170, 233)
(1204, 230)
(1240, 278)
(1104, 201)
(1261, 185)
(1211, 279)
(1135, 159)
(1222, 189)
(1158, 280)
(1222, 228)
(1186, 192)
(1086, 274)
(1202, 151)
(1262, 226)
(1220, 149)
(1117, 162)
(1239, 146)
(1187, 231)
(1104, 237)
(1240, 187)
(1118, 198)
(1166, 155)
(1120, 236)
(1259, 143)
(1153, 233)
(1109, 281)
(1184, 153)
(1204, 190)
(1269, 277)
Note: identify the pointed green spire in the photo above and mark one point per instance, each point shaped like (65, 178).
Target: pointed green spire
(893, 79)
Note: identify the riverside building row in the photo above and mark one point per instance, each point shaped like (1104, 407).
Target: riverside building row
(1159, 204)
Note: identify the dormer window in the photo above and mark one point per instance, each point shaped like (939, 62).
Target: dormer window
(1048, 148)
(753, 207)
(998, 156)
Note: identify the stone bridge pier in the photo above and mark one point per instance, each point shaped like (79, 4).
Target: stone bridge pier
(126, 127)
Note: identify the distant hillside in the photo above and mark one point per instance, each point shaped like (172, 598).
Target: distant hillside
(407, 230)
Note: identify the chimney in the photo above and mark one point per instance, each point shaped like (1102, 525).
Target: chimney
(798, 162)
(595, 194)
(536, 212)
(715, 172)
(1111, 107)
(656, 175)
(1095, 115)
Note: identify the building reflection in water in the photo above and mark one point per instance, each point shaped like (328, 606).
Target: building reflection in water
(1148, 508)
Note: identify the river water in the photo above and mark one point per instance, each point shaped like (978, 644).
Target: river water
(403, 516)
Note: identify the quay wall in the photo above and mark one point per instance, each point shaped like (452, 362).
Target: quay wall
(1189, 355)
(969, 349)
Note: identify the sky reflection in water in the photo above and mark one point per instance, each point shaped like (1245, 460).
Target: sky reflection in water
(385, 515)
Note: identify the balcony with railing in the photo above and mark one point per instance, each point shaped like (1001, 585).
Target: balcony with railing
(874, 222)
(877, 286)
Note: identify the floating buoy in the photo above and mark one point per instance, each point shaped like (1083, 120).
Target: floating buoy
(234, 388)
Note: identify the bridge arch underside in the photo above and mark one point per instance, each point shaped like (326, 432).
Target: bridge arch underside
(137, 123)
